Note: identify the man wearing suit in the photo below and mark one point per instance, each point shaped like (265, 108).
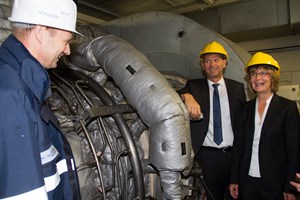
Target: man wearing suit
(212, 145)
(268, 151)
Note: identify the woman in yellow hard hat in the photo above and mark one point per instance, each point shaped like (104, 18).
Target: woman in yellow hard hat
(266, 62)
(268, 151)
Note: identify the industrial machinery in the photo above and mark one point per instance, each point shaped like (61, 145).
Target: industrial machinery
(115, 97)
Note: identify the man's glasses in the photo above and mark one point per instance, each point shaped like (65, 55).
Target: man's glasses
(260, 74)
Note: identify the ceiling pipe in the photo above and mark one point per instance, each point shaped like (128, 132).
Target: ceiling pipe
(209, 2)
(201, 6)
(170, 2)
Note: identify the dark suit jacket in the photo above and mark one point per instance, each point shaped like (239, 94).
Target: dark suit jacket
(200, 91)
(278, 148)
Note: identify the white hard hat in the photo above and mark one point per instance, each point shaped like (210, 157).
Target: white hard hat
(59, 14)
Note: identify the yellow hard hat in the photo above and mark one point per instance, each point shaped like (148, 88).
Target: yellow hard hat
(213, 47)
(260, 58)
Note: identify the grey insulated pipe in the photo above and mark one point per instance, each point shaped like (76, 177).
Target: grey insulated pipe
(146, 90)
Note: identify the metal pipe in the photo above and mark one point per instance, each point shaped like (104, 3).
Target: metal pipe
(123, 127)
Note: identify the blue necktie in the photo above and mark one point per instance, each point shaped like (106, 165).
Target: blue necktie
(218, 137)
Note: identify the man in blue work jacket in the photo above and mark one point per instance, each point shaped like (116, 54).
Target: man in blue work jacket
(36, 159)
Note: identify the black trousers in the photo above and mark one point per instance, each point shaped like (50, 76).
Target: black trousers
(254, 190)
(215, 169)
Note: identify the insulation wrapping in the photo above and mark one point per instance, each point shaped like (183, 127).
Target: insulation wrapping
(147, 91)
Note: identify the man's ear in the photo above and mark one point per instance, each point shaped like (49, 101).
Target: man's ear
(39, 32)
(225, 64)
(201, 64)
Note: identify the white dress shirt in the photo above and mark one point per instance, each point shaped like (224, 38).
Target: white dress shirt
(254, 170)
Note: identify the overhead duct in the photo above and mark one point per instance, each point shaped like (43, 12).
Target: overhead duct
(256, 19)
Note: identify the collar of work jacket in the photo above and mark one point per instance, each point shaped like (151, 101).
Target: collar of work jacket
(29, 69)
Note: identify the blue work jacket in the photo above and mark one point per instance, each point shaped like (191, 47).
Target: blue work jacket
(36, 161)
